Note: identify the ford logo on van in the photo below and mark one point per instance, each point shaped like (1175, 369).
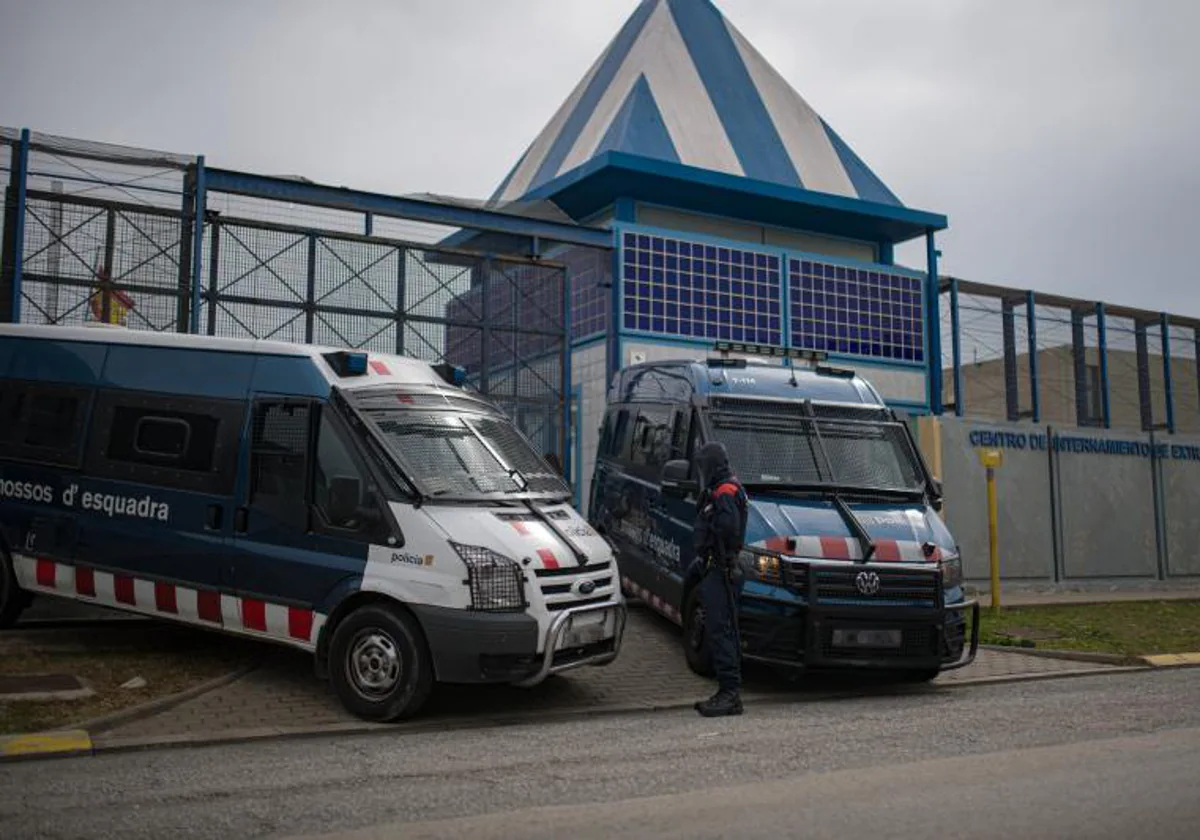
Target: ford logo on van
(585, 587)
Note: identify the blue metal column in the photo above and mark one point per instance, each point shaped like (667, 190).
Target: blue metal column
(934, 328)
(1169, 395)
(956, 349)
(624, 210)
(201, 202)
(368, 224)
(1102, 340)
(1031, 323)
(22, 176)
(887, 253)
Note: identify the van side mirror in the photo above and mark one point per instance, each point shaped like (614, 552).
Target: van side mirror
(345, 500)
(937, 493)
(675, 479)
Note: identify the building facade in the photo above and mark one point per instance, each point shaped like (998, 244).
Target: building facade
(738, 214)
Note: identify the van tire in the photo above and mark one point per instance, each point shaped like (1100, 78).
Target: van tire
(13, 599)
(379, 663)
(695, 647)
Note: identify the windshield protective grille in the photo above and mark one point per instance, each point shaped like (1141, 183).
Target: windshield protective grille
(457, 455)
(765, 447)
(446, 456)
(869, 455)
(516, 452)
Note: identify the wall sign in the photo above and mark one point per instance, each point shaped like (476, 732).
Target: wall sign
(1081, 444)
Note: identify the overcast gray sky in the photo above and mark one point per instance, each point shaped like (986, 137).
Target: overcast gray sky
(1059, 136)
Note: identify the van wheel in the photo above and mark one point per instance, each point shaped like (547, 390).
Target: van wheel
(695, 646)
(379, 665)
(13, 599)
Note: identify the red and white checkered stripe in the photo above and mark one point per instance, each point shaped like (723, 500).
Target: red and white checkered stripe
(535, 530)
(651, 600)
(847, 548)
(251, 616)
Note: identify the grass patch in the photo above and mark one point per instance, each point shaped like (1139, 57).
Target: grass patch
(1134, 628)
(170, 661)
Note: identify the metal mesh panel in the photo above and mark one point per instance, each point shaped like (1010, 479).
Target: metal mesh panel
(446, 456)
(281, 430)
(869, 455)
(517, 452)
(784, 448)
(90, 260)
(775, 453)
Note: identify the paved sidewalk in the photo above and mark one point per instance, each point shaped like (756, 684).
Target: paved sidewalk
(283, 694)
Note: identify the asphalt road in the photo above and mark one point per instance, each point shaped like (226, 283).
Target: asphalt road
(1096, 757)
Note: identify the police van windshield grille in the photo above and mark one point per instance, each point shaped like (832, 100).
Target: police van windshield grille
(766, 449)
(452, 455)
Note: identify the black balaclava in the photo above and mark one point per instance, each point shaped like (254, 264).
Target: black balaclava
(712, 464)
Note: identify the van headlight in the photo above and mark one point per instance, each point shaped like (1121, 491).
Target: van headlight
(496, 582)
(763, 567)
(952, 574)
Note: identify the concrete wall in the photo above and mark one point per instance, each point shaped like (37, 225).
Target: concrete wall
(1181, 494)
(1107, 512)
(1023, 493)
(1072, 504)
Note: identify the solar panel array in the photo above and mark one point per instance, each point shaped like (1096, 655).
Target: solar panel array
(697, 290)
(856, 311)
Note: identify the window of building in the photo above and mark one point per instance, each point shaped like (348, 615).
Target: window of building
(1095, 394)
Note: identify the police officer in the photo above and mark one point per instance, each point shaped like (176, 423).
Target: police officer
(718, 534)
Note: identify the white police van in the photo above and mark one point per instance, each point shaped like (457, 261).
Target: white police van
(364, 507)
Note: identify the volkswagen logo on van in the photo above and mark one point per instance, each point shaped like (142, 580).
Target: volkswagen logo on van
(867, 583)
(585, 587)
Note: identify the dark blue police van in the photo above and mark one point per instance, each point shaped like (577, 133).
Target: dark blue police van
(846, 561)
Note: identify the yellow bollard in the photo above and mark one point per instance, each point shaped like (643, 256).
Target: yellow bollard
(991, 459)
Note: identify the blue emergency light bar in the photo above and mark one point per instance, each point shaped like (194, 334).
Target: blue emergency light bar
(346, 363)
(452, 374)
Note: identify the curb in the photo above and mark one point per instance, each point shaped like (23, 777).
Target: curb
(1172, 660)
(59, 744)
(150, 708)
(1071, 655)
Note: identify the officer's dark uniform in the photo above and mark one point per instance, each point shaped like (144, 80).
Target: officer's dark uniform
(719, 531)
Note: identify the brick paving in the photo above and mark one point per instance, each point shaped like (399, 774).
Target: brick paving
(282, 692)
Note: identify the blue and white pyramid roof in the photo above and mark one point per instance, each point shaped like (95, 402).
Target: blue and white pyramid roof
(680, 84)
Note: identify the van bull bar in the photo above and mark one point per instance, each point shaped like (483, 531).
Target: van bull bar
(897, 620)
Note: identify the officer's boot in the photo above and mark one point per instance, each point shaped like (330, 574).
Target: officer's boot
(724, 702)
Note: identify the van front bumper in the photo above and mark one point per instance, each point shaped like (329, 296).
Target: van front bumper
(805, 635)
(479, 647)
(556, 659)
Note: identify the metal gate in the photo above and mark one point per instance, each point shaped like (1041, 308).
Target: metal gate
(499, 319)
